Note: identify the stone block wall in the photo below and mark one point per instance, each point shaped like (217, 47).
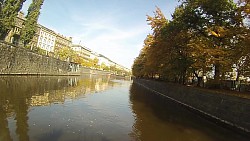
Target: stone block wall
(18, 60)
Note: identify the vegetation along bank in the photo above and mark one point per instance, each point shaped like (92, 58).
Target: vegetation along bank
(206, 43)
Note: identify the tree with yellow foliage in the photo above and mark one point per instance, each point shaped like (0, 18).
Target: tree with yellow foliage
(202, 36)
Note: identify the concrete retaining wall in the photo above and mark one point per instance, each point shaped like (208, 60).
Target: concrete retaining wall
(18, 60)
(85, 70)
(230, 110)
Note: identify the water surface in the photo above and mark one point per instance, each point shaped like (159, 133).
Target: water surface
(95, 108)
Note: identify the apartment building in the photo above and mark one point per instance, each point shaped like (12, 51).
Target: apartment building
(62, 41)
(46, 39)
(84, 52)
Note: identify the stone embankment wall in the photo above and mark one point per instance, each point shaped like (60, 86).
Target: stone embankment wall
(231, 111)
(17, 61)
(85, 70)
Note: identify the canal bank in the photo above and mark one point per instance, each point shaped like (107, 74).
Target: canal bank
(16, 60)
(226, 110)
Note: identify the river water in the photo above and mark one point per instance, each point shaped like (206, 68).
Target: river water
(96, 108)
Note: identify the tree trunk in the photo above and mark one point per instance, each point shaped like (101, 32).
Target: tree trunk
(217, 72)
(217, 76)
(200, 79)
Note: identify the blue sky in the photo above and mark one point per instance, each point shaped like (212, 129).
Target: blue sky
(114, 28)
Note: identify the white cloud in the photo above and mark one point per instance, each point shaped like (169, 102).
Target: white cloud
(120, 44)
(115, 29)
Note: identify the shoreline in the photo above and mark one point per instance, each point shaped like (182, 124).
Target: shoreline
(195, 100)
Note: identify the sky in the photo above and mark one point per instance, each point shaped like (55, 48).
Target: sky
(113, 28)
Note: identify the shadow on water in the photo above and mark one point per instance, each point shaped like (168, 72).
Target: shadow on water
(160, 119)
(4, 130)
(19, 94)
(57, 135)
(51, 137)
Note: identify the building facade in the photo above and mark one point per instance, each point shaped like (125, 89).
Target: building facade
(51, 42)
(82, 51)
(105, 60)
(62, 41)
(46, 39)
(14, 35)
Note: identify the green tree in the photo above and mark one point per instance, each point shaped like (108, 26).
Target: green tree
(77, 58)
(214, 20)
(138, 68)
(147, 57)
(242, 52)
(65, 53)
(94, 63)
(188, 51)
(104, 66)
(154, 44)
(8, 12)
(153, 55)
(113, 68)
(30, 24)
(86, 63)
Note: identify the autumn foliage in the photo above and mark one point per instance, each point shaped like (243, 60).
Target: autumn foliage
(203, 38)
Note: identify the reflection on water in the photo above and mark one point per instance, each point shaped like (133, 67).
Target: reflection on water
(19, 94)
(42, 91)
(95, 108)
(159, 119)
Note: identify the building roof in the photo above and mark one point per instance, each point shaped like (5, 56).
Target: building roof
(47, 29)
(76, 45)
